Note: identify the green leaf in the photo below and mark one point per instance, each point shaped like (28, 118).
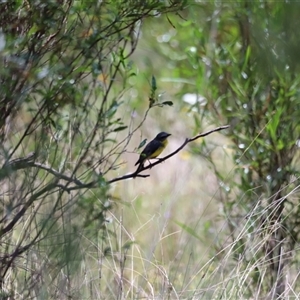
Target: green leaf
(280, 144)
(101, 181)
(142, 144)
(52, 122)
(127, 245)
(170, 103)
(188, 229)
(152, 97)
(247, 58)
(120, 128)
(153, 84)
(274, 123)
(112, 109)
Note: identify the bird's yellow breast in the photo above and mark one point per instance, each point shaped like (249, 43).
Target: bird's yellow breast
(160, 149)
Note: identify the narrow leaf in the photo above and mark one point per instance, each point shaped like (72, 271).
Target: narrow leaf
(142, 144)
(153, 84)
(188, 229)
(120, 128)
(170, 103)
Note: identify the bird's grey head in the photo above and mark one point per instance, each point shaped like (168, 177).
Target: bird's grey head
(162, 135)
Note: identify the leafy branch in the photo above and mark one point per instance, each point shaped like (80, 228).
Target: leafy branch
(27, 162)
(187, 140)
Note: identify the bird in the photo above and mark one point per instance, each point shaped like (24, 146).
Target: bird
(153, 149)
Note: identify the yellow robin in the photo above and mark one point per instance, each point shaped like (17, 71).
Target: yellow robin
(153, 149)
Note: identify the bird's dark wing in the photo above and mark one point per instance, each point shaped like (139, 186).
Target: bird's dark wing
(149, 149)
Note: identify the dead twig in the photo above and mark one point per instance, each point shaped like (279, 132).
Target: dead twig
(27, 162)
(187, 140)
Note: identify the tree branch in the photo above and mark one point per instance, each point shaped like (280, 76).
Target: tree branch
(25, 162)
(188, 140)
(26, 205)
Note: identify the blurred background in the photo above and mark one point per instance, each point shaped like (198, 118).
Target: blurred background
(84, 84)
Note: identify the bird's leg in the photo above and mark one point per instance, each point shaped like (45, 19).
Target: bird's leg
(150, 165)
(140, 167)
(157, 158)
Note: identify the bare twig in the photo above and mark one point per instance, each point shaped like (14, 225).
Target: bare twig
(27, 162)
(188, 140)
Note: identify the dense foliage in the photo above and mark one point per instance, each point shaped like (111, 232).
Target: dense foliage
(239, 61)
(65, 68)
(73, 73)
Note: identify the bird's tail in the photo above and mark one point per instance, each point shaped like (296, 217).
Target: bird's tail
(140, 167)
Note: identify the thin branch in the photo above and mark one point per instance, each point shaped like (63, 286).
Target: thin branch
(16, 164)
(188, 140)
(27, 162)
(56, 173)
(26, 205)
(94, 184)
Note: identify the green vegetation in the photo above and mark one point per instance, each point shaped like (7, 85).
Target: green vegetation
(83, 84)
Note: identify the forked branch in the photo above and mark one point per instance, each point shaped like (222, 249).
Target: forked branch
(28, 162)
(187, 140)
